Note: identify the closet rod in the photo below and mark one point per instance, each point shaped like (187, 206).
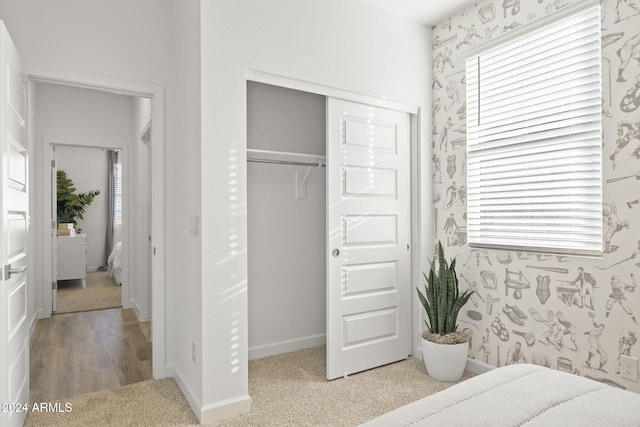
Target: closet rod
(286, 162)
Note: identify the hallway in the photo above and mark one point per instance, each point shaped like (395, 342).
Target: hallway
(78, 353)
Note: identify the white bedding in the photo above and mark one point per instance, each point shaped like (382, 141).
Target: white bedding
(115, 264)
(527, 395)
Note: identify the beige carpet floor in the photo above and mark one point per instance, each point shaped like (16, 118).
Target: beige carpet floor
(286, 390)
(101, 292)
(148, 403)
(291, 390)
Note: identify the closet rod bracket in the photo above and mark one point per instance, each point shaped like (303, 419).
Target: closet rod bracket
(301, 184)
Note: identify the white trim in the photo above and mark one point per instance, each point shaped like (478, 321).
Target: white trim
(291, 83)
(138, 311)
(105, 84)
(188, 393)
(523, 29)
(265, 350)
(210, 414)
(478, 367)
(47, 236)
(34, 321)
(416, 230)
(158, 262)
(144, 134)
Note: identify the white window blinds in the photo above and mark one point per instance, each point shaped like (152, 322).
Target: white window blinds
(534, 140)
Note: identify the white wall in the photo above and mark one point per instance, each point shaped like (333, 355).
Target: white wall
(79, 36)
(188, 298)
(94, 119)
(286, 235)
(338, 43)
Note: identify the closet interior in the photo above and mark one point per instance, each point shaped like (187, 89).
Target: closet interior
(286, 214)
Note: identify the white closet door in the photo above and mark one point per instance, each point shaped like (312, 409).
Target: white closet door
(368, 236)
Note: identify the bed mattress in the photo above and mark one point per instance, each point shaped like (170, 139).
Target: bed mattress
(520, 395)
(114, 263)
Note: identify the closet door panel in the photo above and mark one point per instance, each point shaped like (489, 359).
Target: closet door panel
(368, 181)
(368, 224)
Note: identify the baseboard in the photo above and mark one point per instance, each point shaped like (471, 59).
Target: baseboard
(167, 371)
(193, 401)
(478, 367)
(34, 321)
(138, 311)
(210, 414)
(215, 412)
(260, 351)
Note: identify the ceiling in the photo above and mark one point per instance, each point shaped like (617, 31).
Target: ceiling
(428, 12)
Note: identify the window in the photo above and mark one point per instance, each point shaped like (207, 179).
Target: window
(534, 139)
(117, 195)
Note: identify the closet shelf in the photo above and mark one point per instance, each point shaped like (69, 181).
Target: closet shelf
(285, 158)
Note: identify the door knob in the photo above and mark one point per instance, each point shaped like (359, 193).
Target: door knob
(8, 271)
(335, 252)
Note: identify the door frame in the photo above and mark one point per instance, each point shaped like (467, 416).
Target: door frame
(158, 147)
(129, 258)
(418, 205)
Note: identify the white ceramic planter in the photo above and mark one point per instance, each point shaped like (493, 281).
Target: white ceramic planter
(444, 362)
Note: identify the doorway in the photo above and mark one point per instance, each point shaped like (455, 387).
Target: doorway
(86, 255)
(96, 150)
(155, 205)
(110, 127)
(285, 228)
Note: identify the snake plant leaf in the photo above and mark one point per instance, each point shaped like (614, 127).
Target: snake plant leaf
(431, 297)
(425, 304)
(460, 302)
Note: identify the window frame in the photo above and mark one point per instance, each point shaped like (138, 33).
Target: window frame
(472, 241)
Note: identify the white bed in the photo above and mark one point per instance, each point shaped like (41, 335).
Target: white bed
(114, 263)
(520, 395)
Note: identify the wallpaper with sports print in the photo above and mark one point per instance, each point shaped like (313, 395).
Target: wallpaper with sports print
(573, 314)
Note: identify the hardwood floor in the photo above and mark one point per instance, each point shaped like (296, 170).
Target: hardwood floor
(78, 353)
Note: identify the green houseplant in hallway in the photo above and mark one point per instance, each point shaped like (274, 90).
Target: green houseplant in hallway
(444, 348)
(71, 206)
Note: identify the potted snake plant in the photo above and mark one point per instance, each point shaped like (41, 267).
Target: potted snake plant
(444, 348)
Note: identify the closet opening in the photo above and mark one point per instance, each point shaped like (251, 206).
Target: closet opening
(286, 219)
(329, 215)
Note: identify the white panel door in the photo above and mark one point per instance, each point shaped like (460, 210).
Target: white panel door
(368, 224)
(14, 220)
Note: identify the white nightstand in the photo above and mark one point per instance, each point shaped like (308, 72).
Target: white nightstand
(72, 258)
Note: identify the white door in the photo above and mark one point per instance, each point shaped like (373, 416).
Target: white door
(14, 217)
(368, 236)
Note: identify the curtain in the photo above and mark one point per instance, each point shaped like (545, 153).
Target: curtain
(112, 160)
